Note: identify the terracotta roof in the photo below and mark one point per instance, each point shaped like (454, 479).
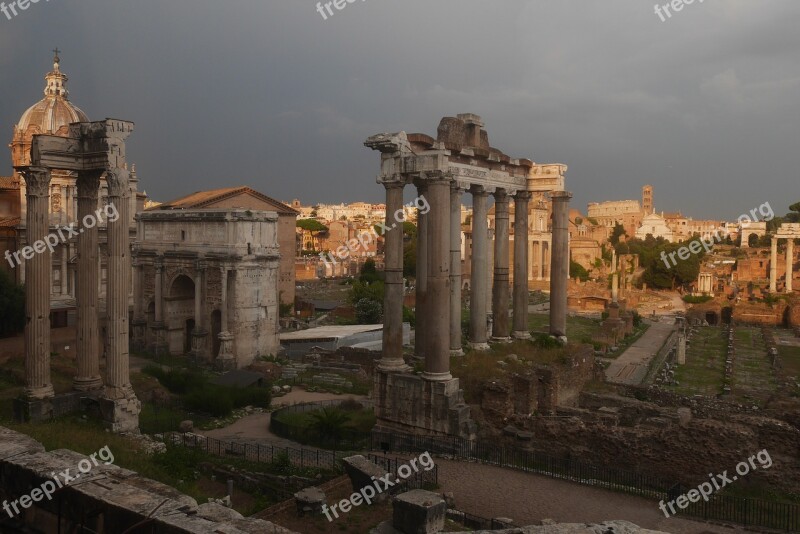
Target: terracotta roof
(7, 182)
(203, 199)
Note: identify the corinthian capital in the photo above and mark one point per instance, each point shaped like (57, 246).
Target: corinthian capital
(37, 180)
(118, 182)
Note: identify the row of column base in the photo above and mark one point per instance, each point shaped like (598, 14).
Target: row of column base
(119, 415)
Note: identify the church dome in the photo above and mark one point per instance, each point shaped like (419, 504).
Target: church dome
(54, 111)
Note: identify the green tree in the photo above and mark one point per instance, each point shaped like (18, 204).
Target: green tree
(12, 306)
(369, 311)
(616, 234)
(576, 270)
(312, 226)
(369, 272)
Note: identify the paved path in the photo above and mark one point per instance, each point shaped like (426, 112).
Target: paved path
(255, 428)
(490, 491)
(631, 366)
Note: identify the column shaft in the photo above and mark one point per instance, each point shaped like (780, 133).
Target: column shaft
(37, 284)
(500, 289)
(64, 250)
(773, 267)
(392, 357)
(478, 334)
(420, 332)
(87, 292)
(118, 384)
(455, 270)
(521, 205)
(437, 297)
(789, 263)
(559, 266)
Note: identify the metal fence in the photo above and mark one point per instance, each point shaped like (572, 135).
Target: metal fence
(419, 479)
(744, 511)
(262, 453)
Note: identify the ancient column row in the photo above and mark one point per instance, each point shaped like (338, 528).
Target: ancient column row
(773, 265)
(438, 284)
(38, 278)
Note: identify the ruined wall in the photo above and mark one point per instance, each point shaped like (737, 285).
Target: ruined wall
(254, 317)
(111, 500)
(676, 444)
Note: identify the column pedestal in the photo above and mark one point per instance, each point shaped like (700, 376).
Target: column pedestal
(226, 360)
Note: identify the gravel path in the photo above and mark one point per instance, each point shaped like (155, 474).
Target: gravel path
(489, 491)
(631, 366)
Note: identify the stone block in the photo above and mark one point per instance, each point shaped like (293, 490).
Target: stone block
(419, 512)
(310, 501)
(361, 472)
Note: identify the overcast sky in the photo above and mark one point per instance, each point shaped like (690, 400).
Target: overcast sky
(266, 93)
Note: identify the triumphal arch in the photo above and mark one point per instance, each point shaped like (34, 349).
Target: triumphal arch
(460, 159)
(91, 150)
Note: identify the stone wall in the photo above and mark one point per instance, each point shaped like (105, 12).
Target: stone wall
(107, 499)
(406, 402)
(678, 444)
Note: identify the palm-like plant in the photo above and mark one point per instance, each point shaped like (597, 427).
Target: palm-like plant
(329, 424)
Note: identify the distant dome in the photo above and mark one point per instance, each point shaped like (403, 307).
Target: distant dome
(54, 111)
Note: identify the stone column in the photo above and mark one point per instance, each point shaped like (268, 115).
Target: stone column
(789, 263)
(521, 206)
(773, 267)
(121, 409)
(200, 330)
(87, 291)
(63, 276)
(117, 290)
(559, 265)
(158, 328)
(37, 284)
(139, 320)
(455, 270)
(478, 334)
(226, 359)
(420, 332)
(500, 289)
(392, 357)
(540, 260)
(437, 296)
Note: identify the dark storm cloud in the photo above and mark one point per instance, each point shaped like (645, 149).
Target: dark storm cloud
(267, 93)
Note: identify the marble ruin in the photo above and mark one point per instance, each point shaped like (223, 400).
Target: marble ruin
(207, 285)
(789, 232)
(91, 150)
(460, 159)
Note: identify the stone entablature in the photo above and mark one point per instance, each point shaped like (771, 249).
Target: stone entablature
(207, 285)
